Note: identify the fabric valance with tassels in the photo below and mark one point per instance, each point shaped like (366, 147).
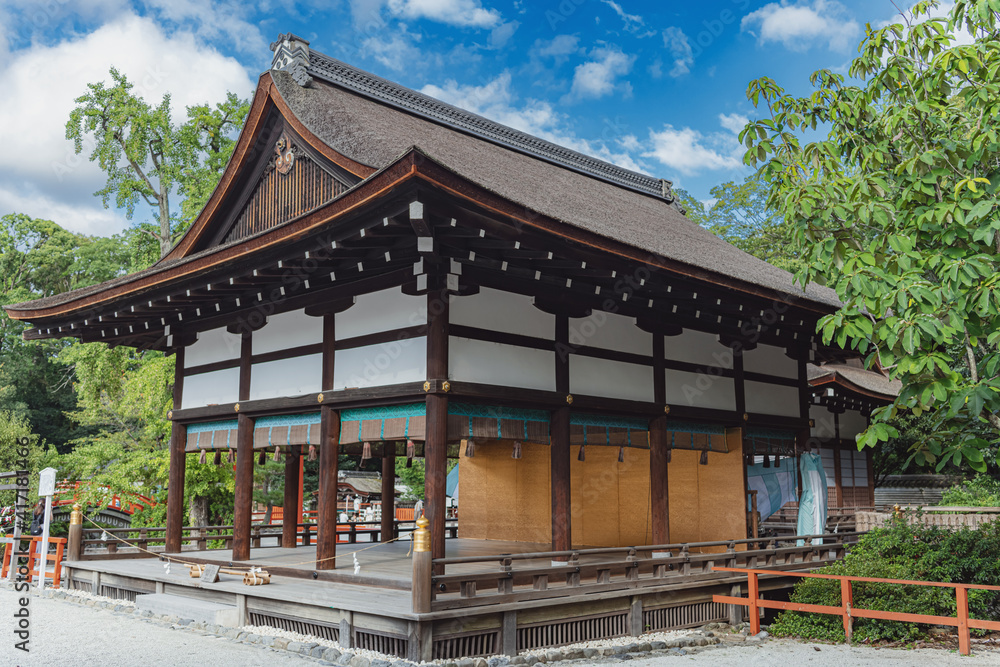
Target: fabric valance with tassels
(697, 436)
(591, 429)
(280, 430)
(765, 441)
(466, 421)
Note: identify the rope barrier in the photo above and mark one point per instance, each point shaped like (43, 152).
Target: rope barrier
(249, 570)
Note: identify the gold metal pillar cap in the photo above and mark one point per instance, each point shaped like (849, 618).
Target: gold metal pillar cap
(422, 536)
(76, 516)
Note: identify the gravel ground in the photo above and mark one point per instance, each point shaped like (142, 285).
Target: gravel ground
(789, 653)
(65, 633)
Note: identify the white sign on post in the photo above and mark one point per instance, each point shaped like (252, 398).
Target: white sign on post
(46, 489)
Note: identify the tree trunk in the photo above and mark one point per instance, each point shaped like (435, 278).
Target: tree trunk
(164, 221)
(199, 511)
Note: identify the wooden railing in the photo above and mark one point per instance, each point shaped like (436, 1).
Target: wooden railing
(849, 612)
(207, 538)
(587, 571)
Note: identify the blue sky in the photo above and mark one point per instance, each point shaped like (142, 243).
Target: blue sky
(655, 86)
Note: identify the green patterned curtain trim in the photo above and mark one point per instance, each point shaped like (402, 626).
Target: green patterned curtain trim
(226, 425)
(696, 427)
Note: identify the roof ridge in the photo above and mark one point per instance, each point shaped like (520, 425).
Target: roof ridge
(372, 86)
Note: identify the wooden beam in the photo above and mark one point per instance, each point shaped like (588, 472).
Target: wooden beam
(243, 505)
(658, 486)
(562, 533)
(326, 514)
(178, 463)
(388, 530)
(329, 349)
(436, 442)
(291, 509)
(246, 364)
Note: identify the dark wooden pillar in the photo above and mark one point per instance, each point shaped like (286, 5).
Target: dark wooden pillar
(659, 449)
(837, 479)
(326, 514)
(562, 534)
(291, 513)
(243, 506)
(436, 438)
(388, 531)
(178, 464)
(660, 503)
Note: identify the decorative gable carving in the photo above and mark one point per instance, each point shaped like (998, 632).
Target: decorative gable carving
(291, 184)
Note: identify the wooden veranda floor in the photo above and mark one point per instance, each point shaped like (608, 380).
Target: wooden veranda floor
(383, 565)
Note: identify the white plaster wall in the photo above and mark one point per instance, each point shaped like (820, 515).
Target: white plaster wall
(498, 364)
(698, 347)
(212, 346)
(381, 311)
(502, 311)
(610, 331)
(852, 422)
(212, 388)
(825, 428)
(287, 330)
(772, 399)
(771, 360)
(611, 379)
(394, 362)
(700, 390)
(287, 377)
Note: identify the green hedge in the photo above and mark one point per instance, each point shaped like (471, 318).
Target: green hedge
(902, 551)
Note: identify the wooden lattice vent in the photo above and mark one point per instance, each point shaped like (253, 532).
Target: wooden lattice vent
(292, 184)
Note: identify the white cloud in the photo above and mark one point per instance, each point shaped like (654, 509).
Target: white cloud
(501, 34)
(497, 101)
(559, 48)
(688, 151)
(462, 13)
(395, 50)
(802, 25)
(633, 22)
(680, 50)
(733, 122)
(598, 77)
(41, 83)
(214, 20)
(82, 218)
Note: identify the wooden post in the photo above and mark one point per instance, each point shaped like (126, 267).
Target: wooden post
(178, 460)
(243, 507)
(837, 465)
(658, 490)
(847, 601)
(962, 600)
(326, 514)
(508, 633)
(435, 470)
(562, 533)
(75, 537)
(388, 528)
(422, 558)
(753, 591)
(291, 513)
(436, 436)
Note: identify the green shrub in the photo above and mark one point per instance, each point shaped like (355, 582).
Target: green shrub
(901, 551)
(981, 491)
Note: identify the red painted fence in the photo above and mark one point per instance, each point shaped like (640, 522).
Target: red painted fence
(849, 612)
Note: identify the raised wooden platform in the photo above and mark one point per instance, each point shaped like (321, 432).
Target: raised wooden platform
(495, 597)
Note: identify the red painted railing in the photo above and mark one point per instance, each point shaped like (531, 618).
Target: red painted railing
(849, 612)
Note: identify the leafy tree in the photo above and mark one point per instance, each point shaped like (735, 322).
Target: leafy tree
(895, 209)
(13, 431)
(146, 155)
(740, 215)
